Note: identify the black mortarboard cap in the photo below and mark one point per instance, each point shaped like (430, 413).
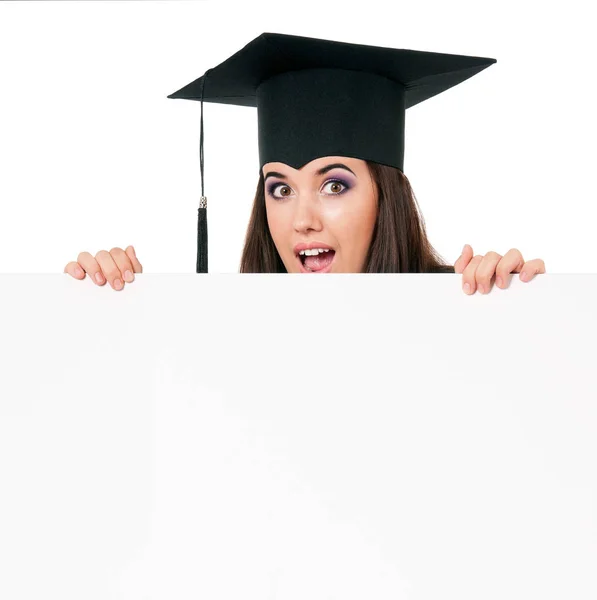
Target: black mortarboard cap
(319, 98)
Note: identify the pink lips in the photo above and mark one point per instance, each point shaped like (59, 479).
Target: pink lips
(310, 246)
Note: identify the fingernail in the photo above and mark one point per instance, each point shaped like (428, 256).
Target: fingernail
(481, 290)
(128, 276)
(467, 288)
(117, 284)
(463, 249)
(78, 272)
(524, 276)
(499, 282)
(99, 278)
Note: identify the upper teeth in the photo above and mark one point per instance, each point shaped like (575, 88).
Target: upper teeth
(314, 251)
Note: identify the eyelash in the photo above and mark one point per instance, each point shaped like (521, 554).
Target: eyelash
(274, 186)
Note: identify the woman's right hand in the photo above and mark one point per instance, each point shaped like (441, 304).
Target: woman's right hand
(116, 266)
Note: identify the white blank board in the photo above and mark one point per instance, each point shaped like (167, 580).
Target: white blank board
(291, 437)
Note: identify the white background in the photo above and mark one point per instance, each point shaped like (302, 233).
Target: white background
(93, 155)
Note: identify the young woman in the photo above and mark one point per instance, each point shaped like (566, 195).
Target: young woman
(364, 216)
(332, 196)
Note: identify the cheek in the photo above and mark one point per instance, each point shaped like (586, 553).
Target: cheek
(274, 220)
(353, 221)
(278, 226)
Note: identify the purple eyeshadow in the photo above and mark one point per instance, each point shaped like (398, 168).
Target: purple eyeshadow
(272, 187)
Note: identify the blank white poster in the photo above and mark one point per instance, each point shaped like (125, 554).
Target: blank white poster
(273, 436)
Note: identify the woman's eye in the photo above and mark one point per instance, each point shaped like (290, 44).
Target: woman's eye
(284, 190)
(335, 187)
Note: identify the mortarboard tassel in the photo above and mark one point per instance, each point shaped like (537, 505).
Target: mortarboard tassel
(202, 216)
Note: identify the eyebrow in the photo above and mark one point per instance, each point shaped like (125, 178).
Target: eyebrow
(321, 171)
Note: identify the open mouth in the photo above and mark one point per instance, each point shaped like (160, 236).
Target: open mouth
(322, 263)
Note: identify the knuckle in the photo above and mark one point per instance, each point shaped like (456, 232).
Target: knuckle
(83, 256)
(102, 254)
(483, 277)
(121, 258)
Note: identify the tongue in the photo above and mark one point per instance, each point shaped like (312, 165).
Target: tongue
(320, 261)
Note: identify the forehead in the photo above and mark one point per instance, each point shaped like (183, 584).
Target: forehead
(312, 167)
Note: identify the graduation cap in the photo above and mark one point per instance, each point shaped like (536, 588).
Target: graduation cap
(318, 98)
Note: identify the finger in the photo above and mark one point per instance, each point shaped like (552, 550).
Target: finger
(123, 262)
(74, 269)
(91, 266)
(486, 270)
(511, 262)
(137, 266)
(531, 268)
(110, 269)
(464, 259)
(468, 275)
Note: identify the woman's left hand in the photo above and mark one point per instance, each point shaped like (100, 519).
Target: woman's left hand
(477, 272)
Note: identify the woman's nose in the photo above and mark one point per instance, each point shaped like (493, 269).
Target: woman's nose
(306, 215)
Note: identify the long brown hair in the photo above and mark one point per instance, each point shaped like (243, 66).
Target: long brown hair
(399, 243)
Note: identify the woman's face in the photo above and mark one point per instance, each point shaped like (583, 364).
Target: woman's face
(330, 202)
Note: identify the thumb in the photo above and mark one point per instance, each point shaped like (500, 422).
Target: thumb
(464, 259)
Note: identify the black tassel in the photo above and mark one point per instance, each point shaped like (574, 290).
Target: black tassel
(202, 237)
(202, 217)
